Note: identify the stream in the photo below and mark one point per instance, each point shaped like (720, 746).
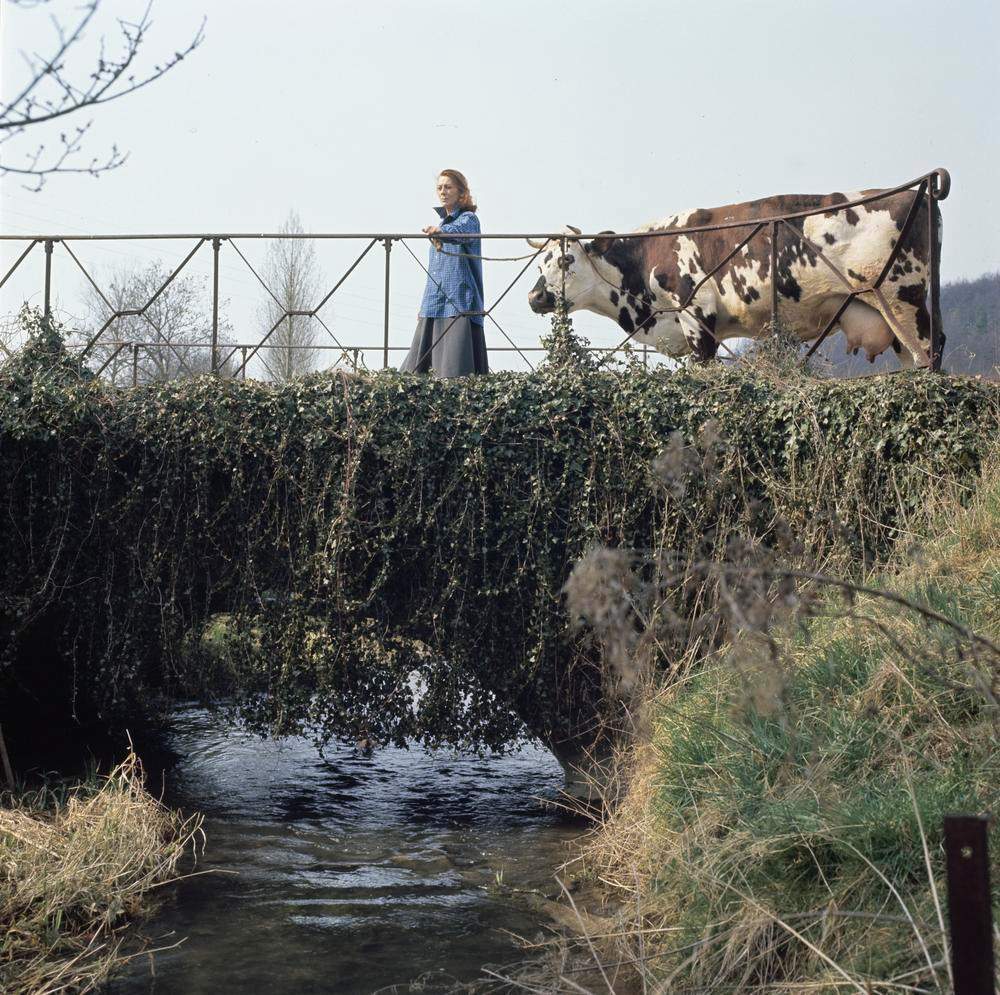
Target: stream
(346, 873)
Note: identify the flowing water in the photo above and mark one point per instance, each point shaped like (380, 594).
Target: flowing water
(346, 873)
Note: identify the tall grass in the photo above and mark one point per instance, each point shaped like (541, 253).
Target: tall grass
(783, 826)
(75, 865)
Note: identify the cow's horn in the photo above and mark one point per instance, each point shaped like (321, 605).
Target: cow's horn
(534, 244)
(574, 229)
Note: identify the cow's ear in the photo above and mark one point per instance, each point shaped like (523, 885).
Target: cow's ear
(602, 243)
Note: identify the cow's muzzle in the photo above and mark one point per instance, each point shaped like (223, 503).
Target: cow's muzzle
(541, 300)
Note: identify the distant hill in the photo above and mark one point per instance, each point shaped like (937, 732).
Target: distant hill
(970, 313)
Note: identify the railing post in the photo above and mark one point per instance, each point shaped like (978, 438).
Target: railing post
(969, 909)
(243, 363)
(48, 278)
(135, 364)
(774, 277)
(385, 331)
(933, 251)
(216, 244)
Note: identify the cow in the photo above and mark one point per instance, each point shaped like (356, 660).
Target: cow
(636, 280)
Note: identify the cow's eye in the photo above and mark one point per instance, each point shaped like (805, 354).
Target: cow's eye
(566, 261)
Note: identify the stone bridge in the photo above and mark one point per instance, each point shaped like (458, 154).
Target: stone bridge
(343, 540)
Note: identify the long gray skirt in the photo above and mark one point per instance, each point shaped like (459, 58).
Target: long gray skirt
(449, 347)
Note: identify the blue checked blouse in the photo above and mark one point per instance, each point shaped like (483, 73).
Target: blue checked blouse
(455, 283)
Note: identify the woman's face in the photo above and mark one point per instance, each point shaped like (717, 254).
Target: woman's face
(447, 192)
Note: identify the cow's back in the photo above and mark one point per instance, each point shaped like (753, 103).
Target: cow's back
(856, 240)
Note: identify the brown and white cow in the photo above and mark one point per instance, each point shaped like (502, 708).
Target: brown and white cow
(632, 279)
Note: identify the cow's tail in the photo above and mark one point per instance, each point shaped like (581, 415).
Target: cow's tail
(940, 186)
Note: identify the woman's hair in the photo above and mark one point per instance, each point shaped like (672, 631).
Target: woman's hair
(465, 200)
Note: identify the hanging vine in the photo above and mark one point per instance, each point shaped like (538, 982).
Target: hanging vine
(383, 556)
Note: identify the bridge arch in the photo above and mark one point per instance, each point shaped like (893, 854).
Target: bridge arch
(358, 530)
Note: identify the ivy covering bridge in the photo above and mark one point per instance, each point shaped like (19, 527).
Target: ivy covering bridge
(382, 557)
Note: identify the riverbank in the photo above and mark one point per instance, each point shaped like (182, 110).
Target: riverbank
(77, 865)
(782, 829)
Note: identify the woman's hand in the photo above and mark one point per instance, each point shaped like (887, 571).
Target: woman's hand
(433, 230)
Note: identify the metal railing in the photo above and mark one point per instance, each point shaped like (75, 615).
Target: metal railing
(127, 352)
(928, 189)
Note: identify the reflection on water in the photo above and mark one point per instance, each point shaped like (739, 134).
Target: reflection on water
(353, 873)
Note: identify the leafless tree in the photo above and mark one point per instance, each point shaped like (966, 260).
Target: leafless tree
(58, 86)
(292, 274)
(177, 326)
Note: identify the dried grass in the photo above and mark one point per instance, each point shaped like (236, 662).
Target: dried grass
(75, 866)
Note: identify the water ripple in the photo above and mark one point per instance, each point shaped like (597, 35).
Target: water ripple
(351, 872)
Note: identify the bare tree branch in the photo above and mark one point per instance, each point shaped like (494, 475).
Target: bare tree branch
(171, 315)
(52, 91)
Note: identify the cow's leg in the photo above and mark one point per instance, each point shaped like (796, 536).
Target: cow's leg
(904, 307)
(700, 334)
(904, 356)
(699, 321)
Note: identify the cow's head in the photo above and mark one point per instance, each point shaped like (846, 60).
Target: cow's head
(567, 267)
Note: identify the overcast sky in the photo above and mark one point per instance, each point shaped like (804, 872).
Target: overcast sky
(600, 114)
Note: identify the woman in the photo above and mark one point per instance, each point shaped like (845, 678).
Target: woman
(449, 338)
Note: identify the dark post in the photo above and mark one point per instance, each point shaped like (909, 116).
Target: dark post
(243, 350)
(774, 277)
(135, 364)
(562, 269)
(969, 904)
(933, 253)
(385, 331)
(216, 244)
(48, 277)
(7, 769)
